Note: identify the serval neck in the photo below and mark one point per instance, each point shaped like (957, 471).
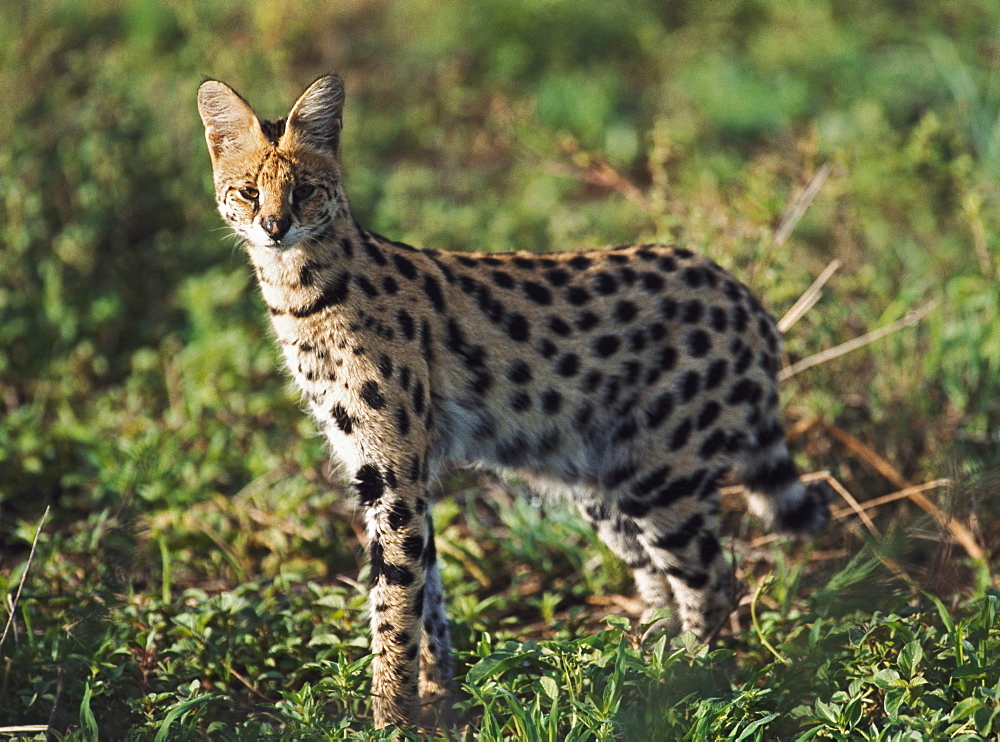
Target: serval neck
(310, 276)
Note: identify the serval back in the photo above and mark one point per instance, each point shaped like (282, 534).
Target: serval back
(629, 379)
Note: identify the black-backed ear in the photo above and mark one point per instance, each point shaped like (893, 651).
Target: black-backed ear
(229, 120)
(315, 118)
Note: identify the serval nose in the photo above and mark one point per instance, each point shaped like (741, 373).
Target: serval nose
(277, 227)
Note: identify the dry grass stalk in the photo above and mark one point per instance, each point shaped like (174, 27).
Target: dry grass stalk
(19, 729)
(862, 450)
(24, 576)
(808, 299)
(800, 204)
(902, 494)
(911, 318)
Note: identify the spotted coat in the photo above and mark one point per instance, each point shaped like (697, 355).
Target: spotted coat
(628, 379)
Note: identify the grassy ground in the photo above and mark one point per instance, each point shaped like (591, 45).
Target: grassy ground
(199, 574)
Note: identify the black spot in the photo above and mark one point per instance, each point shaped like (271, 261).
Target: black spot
(657, 331)
(406, 326)
(397, 575)
(577, 295)
(557, 277)
(708, 548)
(606, 345)
(637, 341)
(404, 377)
(373, 252)
(583, 416)
(731, 290)
(716, 373)
(617, 258)
(680, 436)
(743, 361)
(652, 481)
(344, 421)
(376, 559)
(618, 476)
(403, 420)
(626, 431)
(346, 247)
(631, 370)
(405, 266)
(591, 381)
(413, 549)
(690, 383)
(693, 277)
(307, 273)
(586, 320)
(389, 285)
(523, 262)
(334, 293)
(625, 311)
(683, 535)
(718, 319)
(366, 286)
(518, 328)
(667, 358)
(769, 433)
(744, 390)
(680, 487)
(698, 343)
(668, 308)
(579, 262)
(418, 398)
(611, 390)
(551, 401)
(714, 443)
(433, 290)
(372, 395)
(772, 476)
(627, 276)
(558, 326)
(644, 253)
(518, 371)
(513, 451)
(652, 282)
(605, 283)
(503, 280)
(491, 261)
(537, 293)
(667, 264)
(520, 401)
(660, 409)
(691, 311)
(568, 365)
(634, 508)
(385, 366)
(426, 340)
(467, 261)
(400, 515)
(683, 253)
(740, 318)
(547, 348)
(708, 414)
(414, 473)
(370, 484)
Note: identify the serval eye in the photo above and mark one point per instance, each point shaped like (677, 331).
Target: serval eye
(303, 191)
(250, 194)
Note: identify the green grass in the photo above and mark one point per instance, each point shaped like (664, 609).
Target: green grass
(198, 576)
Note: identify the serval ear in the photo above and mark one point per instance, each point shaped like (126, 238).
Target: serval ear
(230, 123)
(315, 119)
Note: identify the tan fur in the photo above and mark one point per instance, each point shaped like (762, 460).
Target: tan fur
(629, 379)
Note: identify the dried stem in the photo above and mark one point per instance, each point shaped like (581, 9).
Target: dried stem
(911, 318)
(808, 299)
(800, 204)
(24, 576)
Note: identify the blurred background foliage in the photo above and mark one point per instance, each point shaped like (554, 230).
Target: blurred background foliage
(137, 375)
